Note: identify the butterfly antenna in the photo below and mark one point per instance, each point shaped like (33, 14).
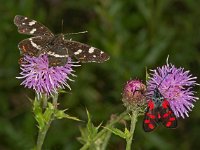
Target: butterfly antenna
(62, 25)
(82, 32)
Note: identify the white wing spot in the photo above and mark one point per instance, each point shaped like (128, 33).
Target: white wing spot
(35, 45)
(101, 52)
(23, 23)
(91, 50)
(32, 31)
(32, 23)
(94, 56)
(56, 55)
(25, 18)
(78, 52)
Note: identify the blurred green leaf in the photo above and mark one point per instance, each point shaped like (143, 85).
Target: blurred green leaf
(120, 133)
(60, 114)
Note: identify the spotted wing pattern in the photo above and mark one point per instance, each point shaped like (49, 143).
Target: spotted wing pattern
(156, 115)
(85, 53)
(55, 46)
(31, 27)
(168, 118)
(33, 46)
(150, 119)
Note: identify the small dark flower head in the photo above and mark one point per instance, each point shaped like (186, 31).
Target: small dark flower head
(39, 76)
(175, 84)
(134, 94)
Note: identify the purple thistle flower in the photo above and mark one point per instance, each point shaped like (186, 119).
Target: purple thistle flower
(38, 75)
(175, 84)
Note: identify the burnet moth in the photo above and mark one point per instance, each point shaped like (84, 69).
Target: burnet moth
(158, 112)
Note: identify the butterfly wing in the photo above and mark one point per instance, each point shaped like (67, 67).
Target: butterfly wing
(56, 47)
(85, 53)
(57, 53)
(150, 119)
(31, 27)
(168, 118)
(34, 46)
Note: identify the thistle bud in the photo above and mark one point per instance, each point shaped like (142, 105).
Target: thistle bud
(133, 95)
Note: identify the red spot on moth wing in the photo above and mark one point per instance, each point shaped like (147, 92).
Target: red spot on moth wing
(165, 115)
(151, 126)
(147, 121)
(168, 118)
(151, 105)
(172, 119)
(159, 115)
(165, 104)
(168, 124)
(151, 116)
(150, 121)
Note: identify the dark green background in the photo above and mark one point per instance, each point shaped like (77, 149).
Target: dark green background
(136, 34)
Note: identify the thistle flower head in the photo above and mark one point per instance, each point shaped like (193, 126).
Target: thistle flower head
(38, 75)
(134, 94)
(175, 84)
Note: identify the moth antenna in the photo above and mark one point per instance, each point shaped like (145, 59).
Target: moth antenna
(163, 79)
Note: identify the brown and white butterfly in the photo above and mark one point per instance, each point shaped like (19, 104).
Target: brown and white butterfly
(56, 47)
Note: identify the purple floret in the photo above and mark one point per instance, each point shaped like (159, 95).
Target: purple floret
(176, 86)
(38, 75)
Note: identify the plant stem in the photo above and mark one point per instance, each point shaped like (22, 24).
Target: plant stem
(55, 100)
(105, 142)
(42, 135)
(132, 129)
(103, 131)
(48, 114)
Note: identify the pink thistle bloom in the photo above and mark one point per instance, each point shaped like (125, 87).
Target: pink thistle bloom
(39, 76)
(175, 84)
(133, 94)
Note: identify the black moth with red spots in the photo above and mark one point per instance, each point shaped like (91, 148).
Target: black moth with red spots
(158, 111)
(56, 47)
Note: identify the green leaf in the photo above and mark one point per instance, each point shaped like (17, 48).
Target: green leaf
(37, 110)
(127, 133)
(147, 75)
(60, 114)
(118, 132)
(84, 135)
(48, 112)
(90, 127)
(36, 107)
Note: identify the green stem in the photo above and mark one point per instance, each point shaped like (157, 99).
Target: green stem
(55, 99)
(103, 131)
(42, 134)
(133, 124)
(105, 142)
(44, 100)
(43, 129)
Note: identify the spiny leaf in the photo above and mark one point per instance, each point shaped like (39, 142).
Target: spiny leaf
(127, 133)
(118, 132)
(37, 110)
(48, 112)
(36, 107)
(92, 130)
(60, 114)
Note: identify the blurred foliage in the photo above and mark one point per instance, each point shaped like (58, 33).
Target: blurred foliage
(136, 34)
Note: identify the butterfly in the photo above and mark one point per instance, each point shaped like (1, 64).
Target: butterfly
(56, 47)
